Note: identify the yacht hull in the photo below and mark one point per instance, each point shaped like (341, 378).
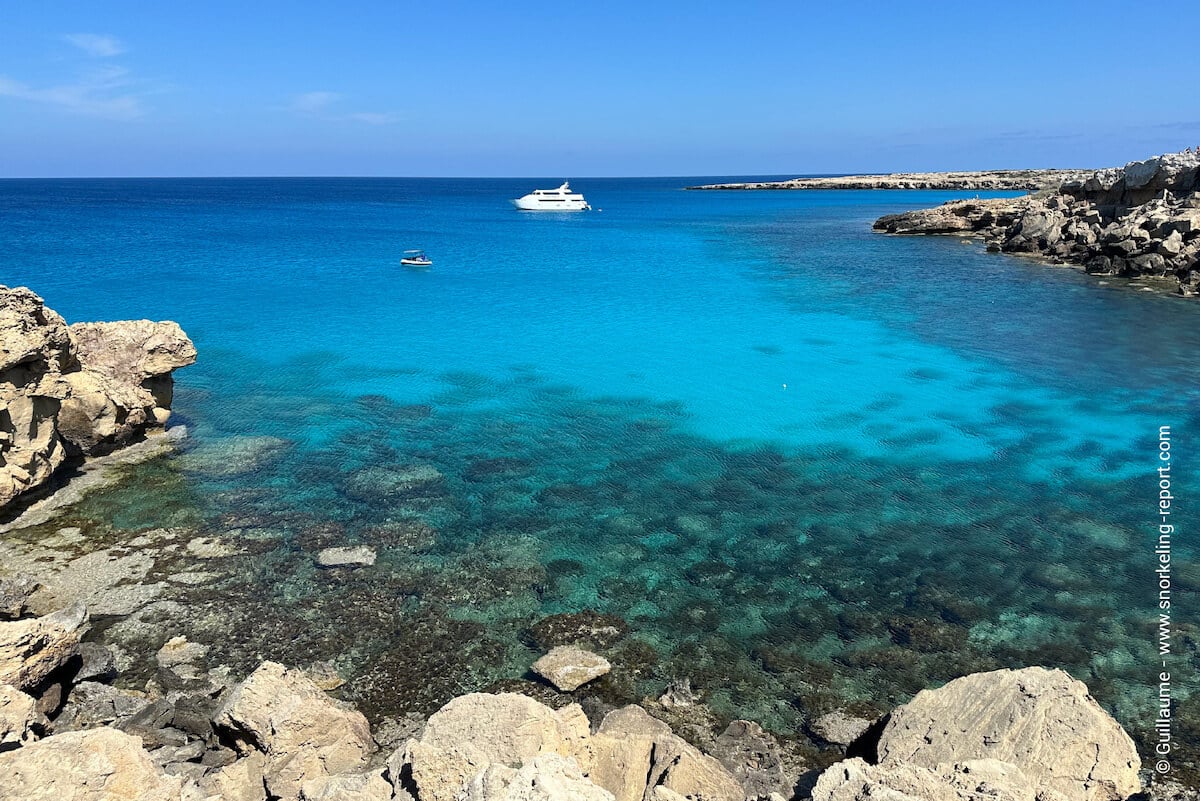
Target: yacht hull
(539, 204)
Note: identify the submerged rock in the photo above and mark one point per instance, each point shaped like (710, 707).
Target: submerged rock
(233, 456)
(1042, 721)
(579, 628)
(838, 728)
(375, 484)
(568, 668)
(348, 556)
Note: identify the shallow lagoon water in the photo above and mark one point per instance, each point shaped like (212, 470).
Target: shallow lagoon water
(808, 465)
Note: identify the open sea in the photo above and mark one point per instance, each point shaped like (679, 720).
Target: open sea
(807, 465)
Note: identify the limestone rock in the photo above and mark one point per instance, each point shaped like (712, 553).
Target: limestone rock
(632, 754)
(1141, 219)
(838, 728)
(92, 703)
(347, 556)
(20, 720)
(1043, 721)
(124, 382)
(753, 757)
(34, 350)
(14, 595)
(347, 787)
(94, 765)
(551, 777)
(178, 651)
(568, 667)
(586, 627)
(855, 780)
(82, 390)
(242, 780)
(31, 649)
(480, 729)
(302, 732)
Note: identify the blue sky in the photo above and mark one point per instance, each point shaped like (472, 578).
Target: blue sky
(598, 88)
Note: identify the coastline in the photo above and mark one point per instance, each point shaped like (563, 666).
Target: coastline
(187, 554)
(1140, 221)
(979, 180)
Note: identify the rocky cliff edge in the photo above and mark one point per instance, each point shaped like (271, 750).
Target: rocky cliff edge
(70, 392)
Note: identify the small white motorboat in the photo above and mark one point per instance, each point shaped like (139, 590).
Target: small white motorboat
(415, 258)
(561, 199)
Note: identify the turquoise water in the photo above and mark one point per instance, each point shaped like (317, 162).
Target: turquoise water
(805, 463)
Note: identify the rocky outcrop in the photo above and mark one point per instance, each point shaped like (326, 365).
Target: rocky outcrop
(302, 733)
(30, 650)
(1042, 721)
(838, 728)
(94, 765)
(1140, 220)
(77, 391)
(569, 667)
(1004, 736)
(479, 730)
(969, 181)
(20, 720)
(855, 780)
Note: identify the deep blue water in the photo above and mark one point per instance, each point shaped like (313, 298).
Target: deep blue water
(803, 461)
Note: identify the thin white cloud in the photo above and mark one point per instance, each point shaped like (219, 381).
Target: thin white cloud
(96, 44)
(374, 117)
(104, 92)
(320, 105)
(313, 102)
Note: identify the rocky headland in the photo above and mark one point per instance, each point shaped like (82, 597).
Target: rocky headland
(194, 732)
(1140, 220)
(973, 181)
(73, 392)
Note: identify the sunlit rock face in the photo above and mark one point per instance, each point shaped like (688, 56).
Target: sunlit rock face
(78, 390)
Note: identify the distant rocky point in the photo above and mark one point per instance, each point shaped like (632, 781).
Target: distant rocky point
(973, 181)
(1142, 219)
(72, 392)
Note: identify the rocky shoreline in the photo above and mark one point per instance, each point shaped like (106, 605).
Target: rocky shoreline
(193, 732)
(71, 393)
(1140, 220)
(985, 180)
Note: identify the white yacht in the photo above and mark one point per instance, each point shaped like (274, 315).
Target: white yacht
(561, 199)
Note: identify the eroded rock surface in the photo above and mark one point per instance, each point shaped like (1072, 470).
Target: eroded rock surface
(302, 732)
(1142, 219)
(1042, 721)
(855, 780)
(94, 765)
(81, 390)
(568, 667)
(31, 649)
